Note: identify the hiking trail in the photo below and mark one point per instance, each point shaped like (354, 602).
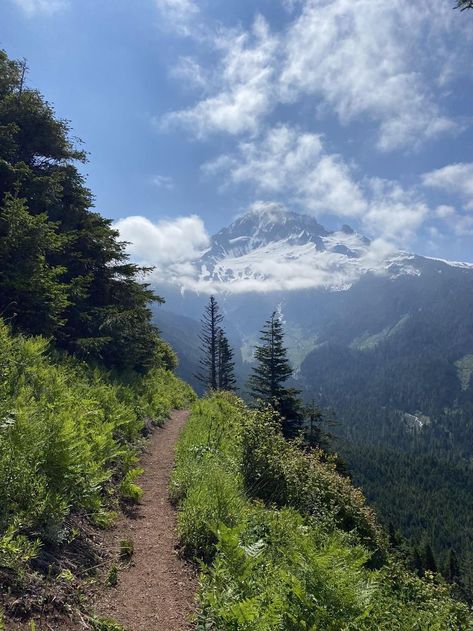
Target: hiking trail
(157, 592)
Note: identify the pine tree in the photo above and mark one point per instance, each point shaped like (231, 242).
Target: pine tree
(225, 370)
(313, 432)
(209, 337)
(428, 559)
(464, 4)
(452, 571)
(272, 370)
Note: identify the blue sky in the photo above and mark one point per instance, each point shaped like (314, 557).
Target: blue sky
(355, 111)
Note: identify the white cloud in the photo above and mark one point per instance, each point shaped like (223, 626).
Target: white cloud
(453, 178)
(163, 181)
(364, 59)
(180, 14)
(394, 213)
(244, 85)
(164, 244)
(361, 59)
(190, 72)
(296, 166)
(287, 161)
(34, 7)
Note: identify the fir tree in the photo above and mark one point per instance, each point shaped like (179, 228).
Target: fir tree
(313, 431)
(209, 337)
(272, 370)
(428, 558)
(225, 371)
(452, 571)
(63, 270)
(464, 4)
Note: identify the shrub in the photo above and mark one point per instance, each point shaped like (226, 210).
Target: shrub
(284, 542)
(69, 442)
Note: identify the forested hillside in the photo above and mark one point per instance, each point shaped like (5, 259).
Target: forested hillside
(84, 374)
(287, 543)
(403, 400)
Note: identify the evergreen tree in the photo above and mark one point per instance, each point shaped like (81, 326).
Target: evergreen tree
(225, 372)
(464, 4)
(314, 435)
(209, 337)
(33, 295)
(272, 370)
(64, 271)
(452, 571)
(428, 558)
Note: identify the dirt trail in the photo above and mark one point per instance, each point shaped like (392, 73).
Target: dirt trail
(157, 592)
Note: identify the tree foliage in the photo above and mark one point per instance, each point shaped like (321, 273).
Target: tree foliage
(270, 374)
(225, 364)
(64, 271)
(209, 338)
(216, 362)
(464, 4)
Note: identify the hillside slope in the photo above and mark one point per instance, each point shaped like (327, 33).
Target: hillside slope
(288, 543)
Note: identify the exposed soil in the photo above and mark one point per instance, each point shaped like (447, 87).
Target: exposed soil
(157, 591)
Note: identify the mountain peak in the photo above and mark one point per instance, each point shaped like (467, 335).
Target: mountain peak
(262, 226)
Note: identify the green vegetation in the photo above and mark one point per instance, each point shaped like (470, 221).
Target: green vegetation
(417, 474)
(83, 371)
(63, 272)
(287, 542)
(69, 443)
(272, 369)
(217, 368)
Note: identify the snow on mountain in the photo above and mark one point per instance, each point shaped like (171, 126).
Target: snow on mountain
(276, 250)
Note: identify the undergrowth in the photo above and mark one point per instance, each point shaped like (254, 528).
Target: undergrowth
(285, 542)
(69, 444)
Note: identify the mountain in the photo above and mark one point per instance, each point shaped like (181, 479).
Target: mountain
(381, 338)
(332, 288)
(276, 249)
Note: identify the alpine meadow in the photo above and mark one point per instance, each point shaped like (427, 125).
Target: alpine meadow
(236, 321)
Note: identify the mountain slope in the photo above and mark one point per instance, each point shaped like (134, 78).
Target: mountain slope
(382, 338)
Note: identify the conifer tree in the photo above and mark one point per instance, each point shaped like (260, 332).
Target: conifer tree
(225, 371)
(209, 337)
(272, 370)
(464, 4)
(63, 270)
(428, 559)
(313, 432)
(452, 571)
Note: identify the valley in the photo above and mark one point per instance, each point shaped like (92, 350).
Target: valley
(386, 352)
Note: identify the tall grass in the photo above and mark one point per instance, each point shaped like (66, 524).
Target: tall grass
(68, 443)
(284, 541)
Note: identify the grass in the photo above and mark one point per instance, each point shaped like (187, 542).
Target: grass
(283, 540)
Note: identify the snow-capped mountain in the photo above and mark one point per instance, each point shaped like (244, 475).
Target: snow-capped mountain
(273, 250)
(332, 287)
